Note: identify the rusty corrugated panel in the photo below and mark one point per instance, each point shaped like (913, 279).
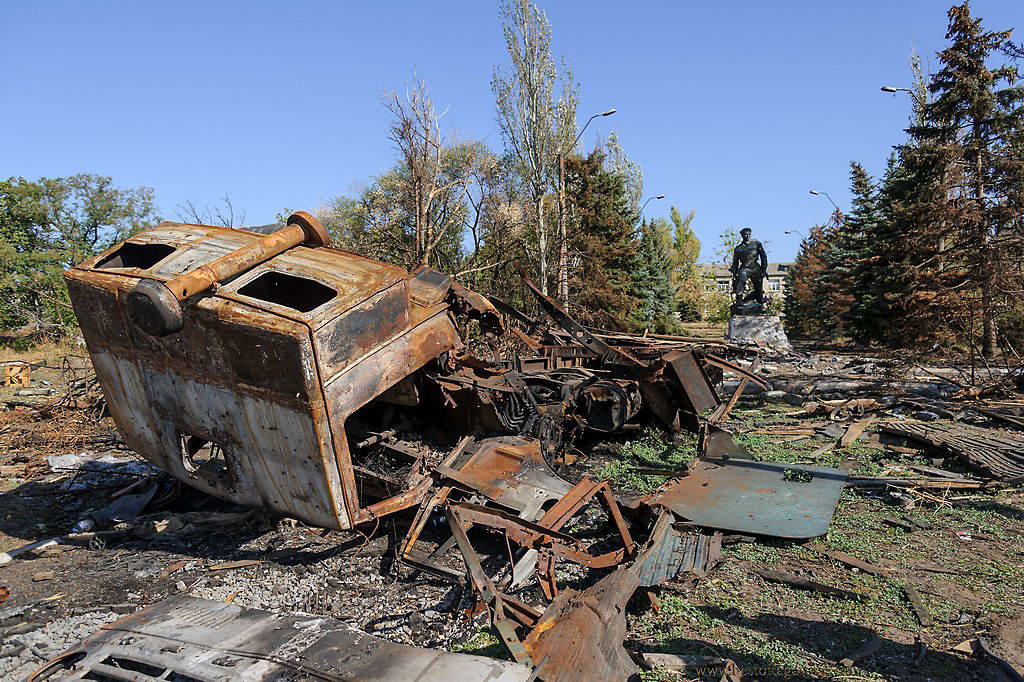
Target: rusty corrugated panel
(672, 550)
(184, 638)
(998, 452)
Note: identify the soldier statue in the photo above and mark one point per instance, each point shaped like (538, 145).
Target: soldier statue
(749, 264)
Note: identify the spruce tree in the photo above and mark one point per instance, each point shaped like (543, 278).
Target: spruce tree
(862, 231)
(966, 210)
(605, 245)
(652, 281)
(831, 284)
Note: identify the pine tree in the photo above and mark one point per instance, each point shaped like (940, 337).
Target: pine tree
(831, 284)
(968, 174)
(800, 303)
(862, 231)
(652, 281)
(605, 244)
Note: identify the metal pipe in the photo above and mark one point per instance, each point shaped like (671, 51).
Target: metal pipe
(156, 306)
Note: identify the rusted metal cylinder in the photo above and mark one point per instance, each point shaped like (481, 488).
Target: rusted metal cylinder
(156, 306)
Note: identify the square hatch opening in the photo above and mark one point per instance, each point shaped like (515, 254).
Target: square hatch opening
(297, 293)
(133, 255)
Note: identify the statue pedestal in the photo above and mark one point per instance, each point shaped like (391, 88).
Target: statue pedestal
(759, 329)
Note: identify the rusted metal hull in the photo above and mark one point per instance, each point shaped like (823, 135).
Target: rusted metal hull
(266, 388)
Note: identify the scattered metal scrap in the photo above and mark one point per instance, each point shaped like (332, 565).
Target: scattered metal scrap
(274, 373)
(1000, 453)
(761, 498)
(195, 640)
(673, 551)
(279, 373)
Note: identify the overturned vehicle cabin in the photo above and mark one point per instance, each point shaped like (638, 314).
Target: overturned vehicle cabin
(279, 373)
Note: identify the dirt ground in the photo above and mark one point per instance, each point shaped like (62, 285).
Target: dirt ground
(964, 557)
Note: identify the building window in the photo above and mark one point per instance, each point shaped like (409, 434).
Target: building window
(774, 285)
(723, 287)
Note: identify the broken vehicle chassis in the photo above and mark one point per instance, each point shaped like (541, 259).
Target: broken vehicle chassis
(290, 365)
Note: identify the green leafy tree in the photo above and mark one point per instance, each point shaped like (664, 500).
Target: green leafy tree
(535, 124)
(686, 275)
(49, 225)
(727, 241)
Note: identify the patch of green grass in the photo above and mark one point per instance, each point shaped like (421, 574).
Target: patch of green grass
(733, 613)
(652, 449)
(483, 643)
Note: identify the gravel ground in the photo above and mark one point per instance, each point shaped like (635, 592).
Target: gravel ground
(24, 652)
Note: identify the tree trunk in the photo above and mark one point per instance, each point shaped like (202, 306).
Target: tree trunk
(563, 249)
(542, 244)
(417, 201)
(988, 333)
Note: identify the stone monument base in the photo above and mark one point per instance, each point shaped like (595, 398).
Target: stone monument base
(759, 329)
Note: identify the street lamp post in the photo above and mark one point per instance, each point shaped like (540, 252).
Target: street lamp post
(563, 249)
(825, 194)
(796, 232)
(914, 95)
(644, 205)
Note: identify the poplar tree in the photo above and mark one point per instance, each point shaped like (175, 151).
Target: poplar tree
(686, 275)
(535, 124)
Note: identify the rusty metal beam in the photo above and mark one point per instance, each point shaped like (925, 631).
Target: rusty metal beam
(722, 413)
(155, 306)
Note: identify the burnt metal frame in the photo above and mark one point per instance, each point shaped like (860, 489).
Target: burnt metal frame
(545, 535)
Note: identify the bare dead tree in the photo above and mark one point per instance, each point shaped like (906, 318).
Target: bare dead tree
(436, 183)
(219, 215)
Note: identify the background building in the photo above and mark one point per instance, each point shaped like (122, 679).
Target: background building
(718, 278)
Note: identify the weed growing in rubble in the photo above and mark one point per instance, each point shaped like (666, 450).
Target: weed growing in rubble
(766, 551)
(483, 643)
(766, 627)
(652, 449)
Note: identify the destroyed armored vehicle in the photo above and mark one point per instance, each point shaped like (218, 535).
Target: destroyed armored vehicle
(256, 368)
(279, 373)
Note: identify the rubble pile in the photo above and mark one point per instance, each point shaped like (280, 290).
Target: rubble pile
(325, 458)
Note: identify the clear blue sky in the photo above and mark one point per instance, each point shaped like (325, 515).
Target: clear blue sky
(735, 109)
